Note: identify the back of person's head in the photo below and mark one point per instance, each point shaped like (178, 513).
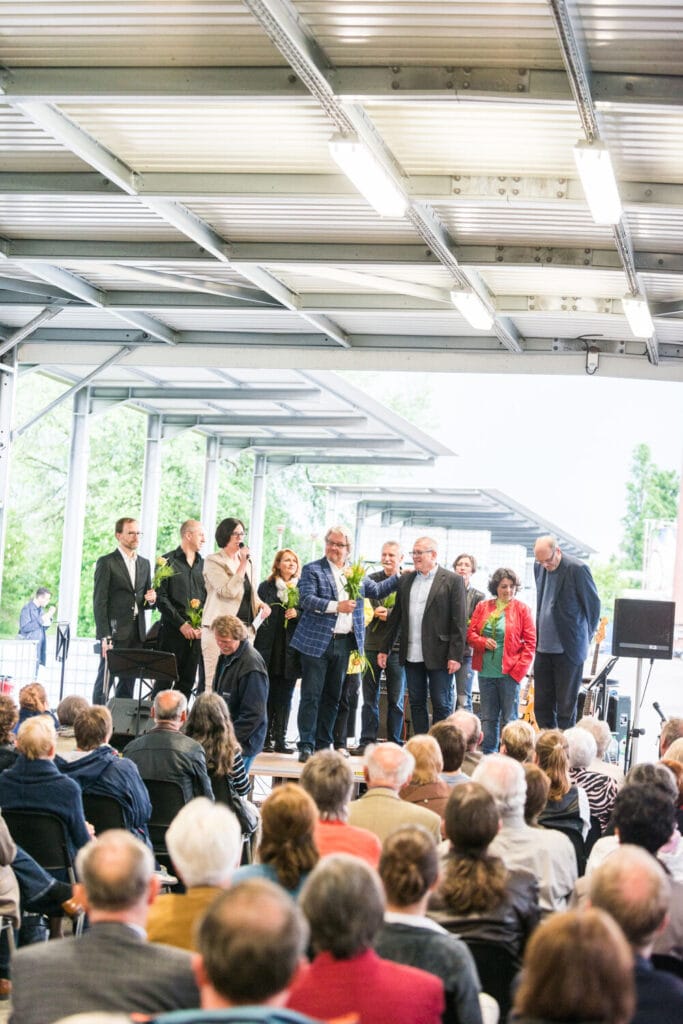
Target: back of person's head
(672, 730)
(599, 730)
(204, 841)
(519, 739)
(658, 775)
(634, 889)
(676, 769)
(582, 748)
(552, 755)
(37, 737)
(93, 727)
(428, 759)
(169, 706)
(537, 788)
(409, 865)
(387, 764)
(288, 819)
(250, 942)
(115, 871)
(344, 905)
(328, 778)
(451, 740)
(674, 752)
(577, 967)
(473, 880)
(470, 725)
(503, 778)
(69, 708)
(33, 697)
(472, 819)
(210, 724)
(9, 716)
(644, 815)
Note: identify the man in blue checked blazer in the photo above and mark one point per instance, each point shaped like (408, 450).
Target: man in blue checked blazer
(331, 626)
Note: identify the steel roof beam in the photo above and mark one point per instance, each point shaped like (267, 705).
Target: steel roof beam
(323, 443)
(299, 419)
(208, 393)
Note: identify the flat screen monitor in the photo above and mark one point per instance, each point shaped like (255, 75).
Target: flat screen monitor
(643, 629)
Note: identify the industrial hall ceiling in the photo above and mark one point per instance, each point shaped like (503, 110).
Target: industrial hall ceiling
(172, 198)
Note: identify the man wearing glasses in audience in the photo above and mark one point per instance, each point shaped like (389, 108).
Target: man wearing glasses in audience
(331, 626)
(431, 614)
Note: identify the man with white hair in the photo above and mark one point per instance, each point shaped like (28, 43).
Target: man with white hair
(547, 853)
(387, 767)
(204, 841)
(474, 737)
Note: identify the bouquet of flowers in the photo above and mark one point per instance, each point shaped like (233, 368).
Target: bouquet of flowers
(163, 571)
(292, 600)
(194, 614)
(388, 602)
(358, 664)
(354, 576)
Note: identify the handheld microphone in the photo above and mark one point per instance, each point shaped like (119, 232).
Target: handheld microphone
(659, 711)
(243, 545)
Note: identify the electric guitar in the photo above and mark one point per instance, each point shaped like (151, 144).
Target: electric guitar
(590, 703)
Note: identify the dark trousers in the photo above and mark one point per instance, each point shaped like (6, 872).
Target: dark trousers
(280, 692)
(396, 686)
(187, 655)
(346, 712)
(435, 683)
(556, 687)
(464, 678)
(321, 685)
(125, 686)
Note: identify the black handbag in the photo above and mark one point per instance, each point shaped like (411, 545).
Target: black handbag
(245, 812)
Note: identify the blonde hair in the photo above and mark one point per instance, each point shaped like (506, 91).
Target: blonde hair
(37, 737)
(552, 755)
(428, 759)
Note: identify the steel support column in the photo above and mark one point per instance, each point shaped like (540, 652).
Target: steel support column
(151, 484)
(8, 383)
(258, 514)
(210, 492)
(74, 512)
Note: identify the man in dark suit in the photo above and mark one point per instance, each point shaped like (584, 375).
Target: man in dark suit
(110, 967)
(123, 585)
(177, 634)
(331, 626)
(568, 609)
(431, 613)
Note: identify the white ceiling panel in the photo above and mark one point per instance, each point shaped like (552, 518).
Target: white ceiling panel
(643, 36)
(41, 216)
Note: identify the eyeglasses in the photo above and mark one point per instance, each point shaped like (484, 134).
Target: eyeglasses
(132, 533)
(335, 544)
(238, 533)
(427, 551)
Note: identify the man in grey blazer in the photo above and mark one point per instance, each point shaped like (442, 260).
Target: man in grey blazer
(111, 967)
(431, 613)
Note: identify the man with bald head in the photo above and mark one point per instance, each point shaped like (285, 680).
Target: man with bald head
(567, 613)
(387, 767)
(174, 597)
(431, 614)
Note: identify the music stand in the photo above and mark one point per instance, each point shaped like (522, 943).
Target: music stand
(62, 643)
(146, 666)
(601, 682)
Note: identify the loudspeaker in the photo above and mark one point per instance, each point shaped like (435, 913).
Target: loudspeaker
(619, 716)
(643, 629)
(124, 713)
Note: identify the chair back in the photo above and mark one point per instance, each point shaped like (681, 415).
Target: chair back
(497, 967)
(167, 798)
(103, 812)
(576, 839)
(44, 837)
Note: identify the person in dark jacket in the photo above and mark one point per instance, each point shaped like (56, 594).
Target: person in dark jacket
(174, 597)
(98, 769)
(466, 565)
(242, 680)
(273, 642)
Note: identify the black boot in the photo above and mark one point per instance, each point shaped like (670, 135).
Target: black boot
(280, 721)
(269, 745)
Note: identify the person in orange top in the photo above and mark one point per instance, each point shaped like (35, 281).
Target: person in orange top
(327, 777)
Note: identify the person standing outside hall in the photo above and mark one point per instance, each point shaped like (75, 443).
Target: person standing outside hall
(465, 566)
(122, 590)
(331, 626)
(431, 613)
(34, 621)
(391, 559)
(568, 609)
(175, 593)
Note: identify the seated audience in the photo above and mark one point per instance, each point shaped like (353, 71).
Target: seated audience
(204, 841)
(451, 740)
(601, 733)
(67, 711)
(210, 724)
(478, 897)
(567, 808)
(33, 701)
(537, 789)
(242, 680)
(9, 716)
(547, 854)
(635, 890)
(409, 869)
(287, 851)
(344, 905)
(386, 768)
(110, 967)
(600, 789)
(328, 778)
(165, 754)
(474, 737)
(672, 730)
(577, 967)
(676, 769)
(518, 740)
(99, 770)
(425, 787)
(34, 783)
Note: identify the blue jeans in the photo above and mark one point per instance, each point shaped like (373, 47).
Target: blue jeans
(436, 683)
(321, 685)
(464, 678)
(499, 705)
(396, 688)
(248, 761)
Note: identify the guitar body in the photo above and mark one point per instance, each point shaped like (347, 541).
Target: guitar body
(526, 704)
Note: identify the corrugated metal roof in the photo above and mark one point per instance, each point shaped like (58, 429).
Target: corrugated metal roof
(643, 36)
(26, 147)
(41, 216)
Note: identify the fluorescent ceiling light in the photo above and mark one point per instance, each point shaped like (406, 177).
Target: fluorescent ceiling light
(638, 315)
(473, 309)
(367, 174)
(594, 165)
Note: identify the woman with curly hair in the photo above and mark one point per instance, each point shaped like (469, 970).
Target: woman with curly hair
(503, 640)
(210, 724)
(33, 701)
(287, 851)
(567, 808)
(9, 716)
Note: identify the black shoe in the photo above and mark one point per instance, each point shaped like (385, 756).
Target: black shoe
(359, 750)
(304, 754)
(269, 746)
(282, 748)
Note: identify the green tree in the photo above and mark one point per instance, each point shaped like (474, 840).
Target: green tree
(651, 493)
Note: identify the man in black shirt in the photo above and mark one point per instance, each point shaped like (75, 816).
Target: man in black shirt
(175, 593)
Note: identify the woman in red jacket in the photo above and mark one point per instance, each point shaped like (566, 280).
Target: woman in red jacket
(503, 640)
